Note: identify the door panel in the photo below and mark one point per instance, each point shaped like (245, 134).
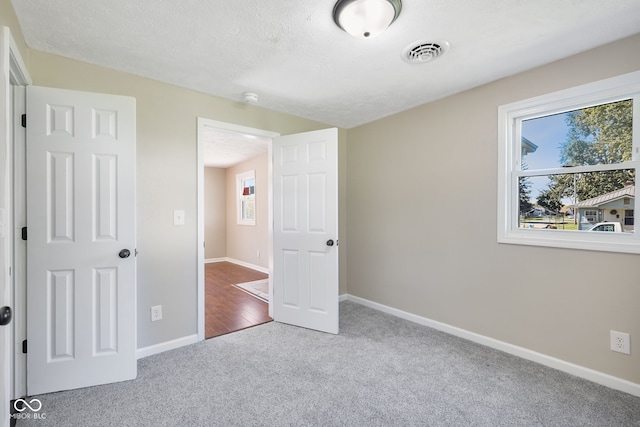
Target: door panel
(305, 194)
(81, 295)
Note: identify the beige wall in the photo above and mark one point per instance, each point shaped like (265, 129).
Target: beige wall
(166, 179)
(402, 181)
(244, 241)
(8, 18)
(223, 236)
(215, 213)
(422, 227)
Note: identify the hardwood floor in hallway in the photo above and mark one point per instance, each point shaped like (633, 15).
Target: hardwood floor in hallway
(227, 308)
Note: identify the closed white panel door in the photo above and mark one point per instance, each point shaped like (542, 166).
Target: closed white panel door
(81, 284)
(305, 230)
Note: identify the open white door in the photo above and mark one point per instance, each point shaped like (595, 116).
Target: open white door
(81, 267)
(305, 230)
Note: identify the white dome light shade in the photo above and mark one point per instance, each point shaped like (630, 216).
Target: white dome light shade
(366, 18)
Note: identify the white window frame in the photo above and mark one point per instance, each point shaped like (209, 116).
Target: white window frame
(510, 117)
(240, 179)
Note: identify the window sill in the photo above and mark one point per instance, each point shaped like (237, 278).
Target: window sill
(596, 241)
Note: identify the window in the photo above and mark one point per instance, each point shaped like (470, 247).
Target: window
(604, 227)
(591, 214)
(565, 159)
(628, 217)
(246, 196)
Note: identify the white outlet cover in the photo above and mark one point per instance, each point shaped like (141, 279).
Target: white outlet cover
(620, 342)
(156, 313)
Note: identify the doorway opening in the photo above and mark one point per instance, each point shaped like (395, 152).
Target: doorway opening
(234, 227)
(229, 303)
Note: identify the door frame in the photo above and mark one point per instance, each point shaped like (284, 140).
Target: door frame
(15, 75)
(224, 126)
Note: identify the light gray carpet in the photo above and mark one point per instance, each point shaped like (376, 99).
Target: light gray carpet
(380, 371)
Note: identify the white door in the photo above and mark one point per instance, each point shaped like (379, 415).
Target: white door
(305, 230)
(81, 267)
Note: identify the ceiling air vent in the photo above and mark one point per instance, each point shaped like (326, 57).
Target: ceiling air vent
(421, 52)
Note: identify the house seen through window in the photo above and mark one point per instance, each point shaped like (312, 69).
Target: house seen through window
(571, 158)
(597, 138)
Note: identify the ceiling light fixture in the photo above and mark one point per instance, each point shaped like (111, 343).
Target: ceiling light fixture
(366, 18)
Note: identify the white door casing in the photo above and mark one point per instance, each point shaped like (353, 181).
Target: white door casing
(202, 124)
(81, 294)
(305, 230)
(14, 76)
(19, 246)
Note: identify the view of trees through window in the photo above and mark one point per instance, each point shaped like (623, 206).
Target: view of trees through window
(595, 142)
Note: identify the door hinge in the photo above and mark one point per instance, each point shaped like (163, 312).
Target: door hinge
(24, 233)
(24, 120)
(24, 346)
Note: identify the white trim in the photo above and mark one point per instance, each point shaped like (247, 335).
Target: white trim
(18, 69)
(211, 260)
(14, 73)
(552, 362)
(246, 264)
(222, 126)
(200, 291)
(166, 346)
(608, 90)
(19, 247)
(270, 222)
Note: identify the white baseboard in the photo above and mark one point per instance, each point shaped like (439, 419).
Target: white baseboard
(238, 262)
(552, 362)
(209, 260)
(165, 346)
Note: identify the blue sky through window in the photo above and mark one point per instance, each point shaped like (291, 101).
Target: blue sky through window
(548, 133)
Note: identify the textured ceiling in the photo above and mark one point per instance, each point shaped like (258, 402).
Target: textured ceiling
(223, 149)
(299, 62)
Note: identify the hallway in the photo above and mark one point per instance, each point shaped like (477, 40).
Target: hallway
(227, 308)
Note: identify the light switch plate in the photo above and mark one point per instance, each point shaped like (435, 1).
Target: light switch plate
(178, 217)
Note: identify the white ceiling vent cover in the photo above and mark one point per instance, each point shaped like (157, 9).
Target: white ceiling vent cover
(421, 52)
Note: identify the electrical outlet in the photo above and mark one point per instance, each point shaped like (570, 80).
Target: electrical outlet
(620, 342)
(156, 313)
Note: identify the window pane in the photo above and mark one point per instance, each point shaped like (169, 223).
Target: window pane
(248, 186)
(248, 208)
(577, 201)
(588, 136)
(246, 202)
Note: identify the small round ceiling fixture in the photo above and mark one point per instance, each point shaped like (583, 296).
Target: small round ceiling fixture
(366, 18)
(250, 97)
(421, 52)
